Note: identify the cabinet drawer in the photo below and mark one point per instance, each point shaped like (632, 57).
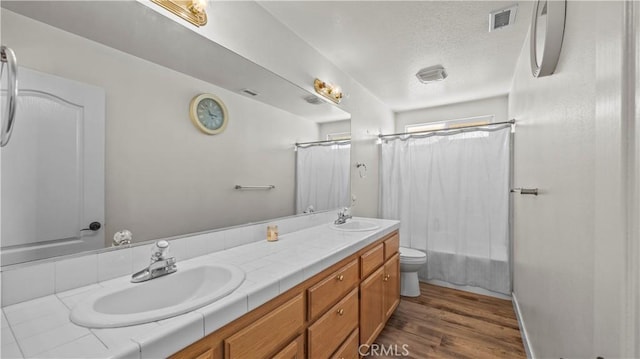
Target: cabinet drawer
(391, 246)
(326, 334)
(371, 260)
(295, 350)
(206, 355)
(348, 349)
(332, 288)
(269, 333)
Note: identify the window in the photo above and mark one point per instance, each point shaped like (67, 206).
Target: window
(450, 124)
(339, 136)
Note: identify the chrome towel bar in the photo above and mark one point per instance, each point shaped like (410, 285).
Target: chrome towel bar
(531, 191)
(267, 187)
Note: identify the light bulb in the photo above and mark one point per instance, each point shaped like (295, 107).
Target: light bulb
(198, 5)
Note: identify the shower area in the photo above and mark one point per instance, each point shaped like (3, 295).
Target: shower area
(450, 191)
(322, 175)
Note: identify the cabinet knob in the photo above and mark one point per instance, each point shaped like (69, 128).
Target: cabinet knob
(340, 311)
(386, 277)
(340, 277)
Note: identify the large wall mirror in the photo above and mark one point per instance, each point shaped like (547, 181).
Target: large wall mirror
(103, 134)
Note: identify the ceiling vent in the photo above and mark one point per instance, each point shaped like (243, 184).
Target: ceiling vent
(314, 100)
(502, 18)
(249, 92)
(432, 74)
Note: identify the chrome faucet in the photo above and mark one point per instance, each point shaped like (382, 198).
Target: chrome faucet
(343, 215)
(160, 265)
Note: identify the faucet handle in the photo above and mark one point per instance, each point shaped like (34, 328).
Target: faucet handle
(160, 250)
(162, 244)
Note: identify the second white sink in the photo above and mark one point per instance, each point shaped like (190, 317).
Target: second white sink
(159, 298)
(355, 226)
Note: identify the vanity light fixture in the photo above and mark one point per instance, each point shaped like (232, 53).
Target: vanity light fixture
(328, 90)
(194, 11)
(432, 74)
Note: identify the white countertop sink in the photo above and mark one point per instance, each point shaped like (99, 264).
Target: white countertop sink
(158, 298)
(356, 225)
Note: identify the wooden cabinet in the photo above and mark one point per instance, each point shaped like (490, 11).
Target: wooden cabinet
(328, 332)
(372, 306)
(206, 355)
(295, 350)
(327, 316)
(380, 294)
(349, 349)
(391, 285)
(265, 336)
(371, 260)
(332, 288)
(391, 246)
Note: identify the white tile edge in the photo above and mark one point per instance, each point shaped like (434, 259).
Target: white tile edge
(523, 329)
(312, 219)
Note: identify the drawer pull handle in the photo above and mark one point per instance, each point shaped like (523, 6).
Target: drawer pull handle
(340, 311)
(340, 277)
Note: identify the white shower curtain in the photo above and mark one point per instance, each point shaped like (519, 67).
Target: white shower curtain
(451, 193)
(322, 176)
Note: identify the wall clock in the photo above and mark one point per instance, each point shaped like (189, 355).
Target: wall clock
(208, 113)
(547, 31)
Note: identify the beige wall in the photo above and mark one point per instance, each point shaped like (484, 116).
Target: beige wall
(164, 177)
(247, 29)
(496, 106)
(568, 262)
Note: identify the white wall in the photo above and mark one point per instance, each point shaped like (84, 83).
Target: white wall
(164, 177)
(567, 258)
(490, 106)
(247, 29)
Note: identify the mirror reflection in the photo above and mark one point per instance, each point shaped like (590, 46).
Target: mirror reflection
(104, 141)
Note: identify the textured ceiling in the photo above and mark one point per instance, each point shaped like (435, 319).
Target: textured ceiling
(383, 44)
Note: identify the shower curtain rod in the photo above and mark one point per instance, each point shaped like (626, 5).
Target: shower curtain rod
(511, 122)
(321, 142)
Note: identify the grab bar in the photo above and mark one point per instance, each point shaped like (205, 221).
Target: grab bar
(532, 191)
(9, 57)
(267, 187)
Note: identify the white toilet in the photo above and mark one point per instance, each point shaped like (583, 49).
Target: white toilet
(411, 260)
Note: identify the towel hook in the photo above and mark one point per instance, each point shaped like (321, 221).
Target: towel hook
(360, 166)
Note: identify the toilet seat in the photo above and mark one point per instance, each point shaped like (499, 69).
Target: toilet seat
(411, 254)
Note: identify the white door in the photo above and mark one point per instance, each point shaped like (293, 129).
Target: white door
(52, 183)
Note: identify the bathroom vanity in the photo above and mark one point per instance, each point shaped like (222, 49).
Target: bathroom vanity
(331, 314)
(317, 292)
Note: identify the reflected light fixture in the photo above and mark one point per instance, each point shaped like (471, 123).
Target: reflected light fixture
(194, 11)
(327, 90)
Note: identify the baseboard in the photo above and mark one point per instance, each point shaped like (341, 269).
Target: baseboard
(467, 288)
(523, 328)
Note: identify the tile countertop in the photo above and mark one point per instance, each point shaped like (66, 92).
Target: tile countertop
(41, 328)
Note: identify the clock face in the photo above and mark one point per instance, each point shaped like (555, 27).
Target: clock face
(210, 114)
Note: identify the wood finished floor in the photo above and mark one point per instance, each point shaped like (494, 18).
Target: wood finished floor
(448, 323)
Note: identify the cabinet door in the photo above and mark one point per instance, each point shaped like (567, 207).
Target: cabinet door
(295, 350)
(391, 285)
(371, 306)
(263, 337)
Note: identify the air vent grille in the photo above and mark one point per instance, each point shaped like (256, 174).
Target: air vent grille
(249, 92)
(432, 74)
(502, 18)
(314, 100)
